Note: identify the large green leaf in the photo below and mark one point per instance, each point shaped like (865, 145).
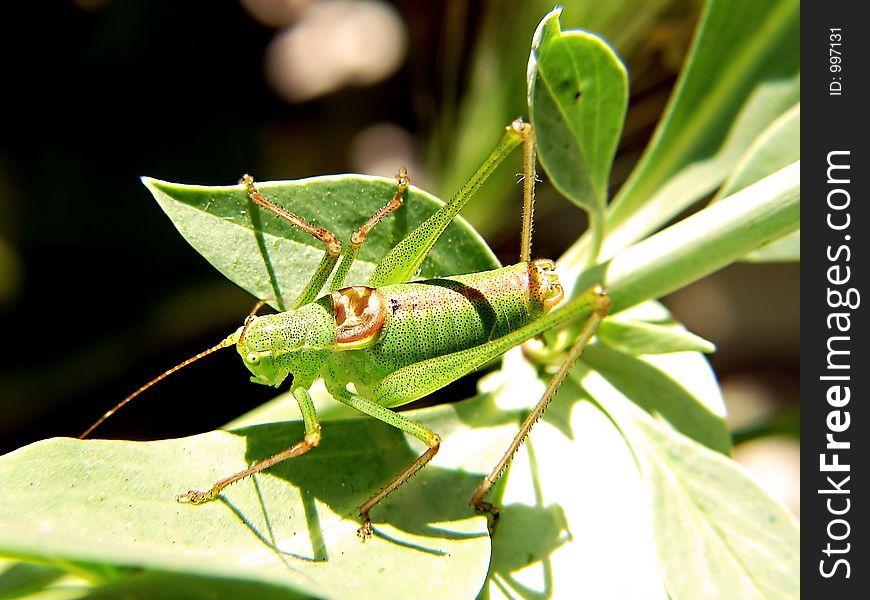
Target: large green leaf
(294, 527)
(559, 529)
(576, 510)
(573, 498)
(718, 534)
(273, 260)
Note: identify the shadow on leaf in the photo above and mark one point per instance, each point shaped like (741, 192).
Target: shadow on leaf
(356, 458)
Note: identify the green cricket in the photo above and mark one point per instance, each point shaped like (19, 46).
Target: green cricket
(398, 340)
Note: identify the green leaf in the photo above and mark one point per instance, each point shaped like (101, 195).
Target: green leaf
(548, 519)
(273, 260)
(775, 147)
(294, 527)
(639, 337)
(573, 497)
(680, 388)
(659, 367)
(574, 517)
(785, 249)
(169, 586)
(18, 580)
(718, 533)
(742, 73)
(578, 93)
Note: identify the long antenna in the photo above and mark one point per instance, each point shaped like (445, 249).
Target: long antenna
(224, 344)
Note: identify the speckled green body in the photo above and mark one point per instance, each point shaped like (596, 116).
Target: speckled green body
(440, 316)
(422, 320)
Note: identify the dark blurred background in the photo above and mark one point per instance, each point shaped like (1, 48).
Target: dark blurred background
(98, 293)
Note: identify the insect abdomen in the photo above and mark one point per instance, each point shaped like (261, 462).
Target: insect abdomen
(439, 316)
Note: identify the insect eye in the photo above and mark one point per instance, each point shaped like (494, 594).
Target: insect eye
(253, 358)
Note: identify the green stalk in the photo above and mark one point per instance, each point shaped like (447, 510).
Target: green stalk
(700, 244)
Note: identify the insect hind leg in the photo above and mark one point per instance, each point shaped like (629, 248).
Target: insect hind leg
(599, 301)
(527, 131)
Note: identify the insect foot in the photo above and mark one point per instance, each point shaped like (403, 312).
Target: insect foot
(195, 497)
(492, 512)
(365, 532)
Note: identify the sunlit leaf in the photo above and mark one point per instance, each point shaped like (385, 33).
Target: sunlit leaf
(704, 242)
(574, 513)
(638, 337)
(578, 93)
(718, 534)
(273, 260)
(294, 527)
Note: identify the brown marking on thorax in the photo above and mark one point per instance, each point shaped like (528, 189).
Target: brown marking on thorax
(359, 313)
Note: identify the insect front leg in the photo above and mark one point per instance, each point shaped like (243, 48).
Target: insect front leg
(333, 245)
(358, 237)
(427, 436)
(311, 439)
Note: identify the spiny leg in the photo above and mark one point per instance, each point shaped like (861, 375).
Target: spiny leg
(529, 180)
(359, 236)
(589, 329)
(311, 439)
(427, 436)
(333, 245)
(403, 262)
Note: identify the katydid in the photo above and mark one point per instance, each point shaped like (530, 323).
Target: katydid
(397, 340)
